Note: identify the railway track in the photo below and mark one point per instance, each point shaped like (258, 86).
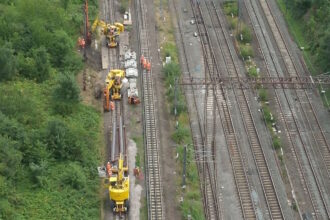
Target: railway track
(203, 145)
(153, 175)
(114, 120)
(313, 187)
(268, 186)
(241, 181)
(304, 100)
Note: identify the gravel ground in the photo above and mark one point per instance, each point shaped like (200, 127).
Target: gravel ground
(167, 149)
(135, 189)
(290, 160)
(228, 192)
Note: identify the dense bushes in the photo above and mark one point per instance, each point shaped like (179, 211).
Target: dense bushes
(33, 148)
(7, 62)
(172, 72)
(314, 19)
(49, 141)
(38, 35)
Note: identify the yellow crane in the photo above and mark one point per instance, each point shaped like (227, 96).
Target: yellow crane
(111, 31)
(119, 186)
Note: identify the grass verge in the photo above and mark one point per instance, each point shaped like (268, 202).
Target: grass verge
(191, 204)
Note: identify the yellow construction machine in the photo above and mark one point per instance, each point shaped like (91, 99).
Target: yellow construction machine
(111, 31)
(119, 186)
(112, 90)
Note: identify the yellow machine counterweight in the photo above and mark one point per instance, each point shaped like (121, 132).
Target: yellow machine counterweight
(119, 186)
(117, 171)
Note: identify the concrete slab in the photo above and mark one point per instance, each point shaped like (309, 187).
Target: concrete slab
(105, 57)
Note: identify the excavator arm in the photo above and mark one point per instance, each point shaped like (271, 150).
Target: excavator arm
(99, 23)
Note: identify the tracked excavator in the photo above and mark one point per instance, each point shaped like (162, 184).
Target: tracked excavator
(112, 90)
(111, 31)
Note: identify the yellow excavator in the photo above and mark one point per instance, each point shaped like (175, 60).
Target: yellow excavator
(112, 90)
(119, 186)
(111, 31)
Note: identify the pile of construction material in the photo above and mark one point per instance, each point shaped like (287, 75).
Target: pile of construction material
(132, 75)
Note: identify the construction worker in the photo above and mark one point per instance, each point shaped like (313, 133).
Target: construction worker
(136, 171)
(148, 66)
(81, 42)
(112, 105)
(145, 64)
(109, 169)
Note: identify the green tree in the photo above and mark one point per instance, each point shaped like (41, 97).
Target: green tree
(26, 66)
(60, 46)
(10, 157)
(58, 139)
(42, 64)
(7, 62)
(67, 89)
(324, 51)
(65, 3)
(244, 34)
(74, 176)
(72, 63)
(39, 173)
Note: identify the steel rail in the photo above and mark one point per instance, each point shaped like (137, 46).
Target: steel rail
(197, 131)
(267, 183)
(153, 175)
(241, 181)
(293, 72)
(288, 118)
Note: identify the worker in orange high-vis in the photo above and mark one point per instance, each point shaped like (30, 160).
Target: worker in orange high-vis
(109, 169)
(145, 62)
(112, 105)
(148, 66)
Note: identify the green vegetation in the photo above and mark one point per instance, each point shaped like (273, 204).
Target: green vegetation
(252, 72)
(169, 49)
(309, 23)
(123, 6)
(263, 95)
(241, 31)
(246, 51)
(172, 72)
(191, 204)
(244, 34)
(192, 201)
(230, 8)
(144, 209)
(50, 142)
(243, 39)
